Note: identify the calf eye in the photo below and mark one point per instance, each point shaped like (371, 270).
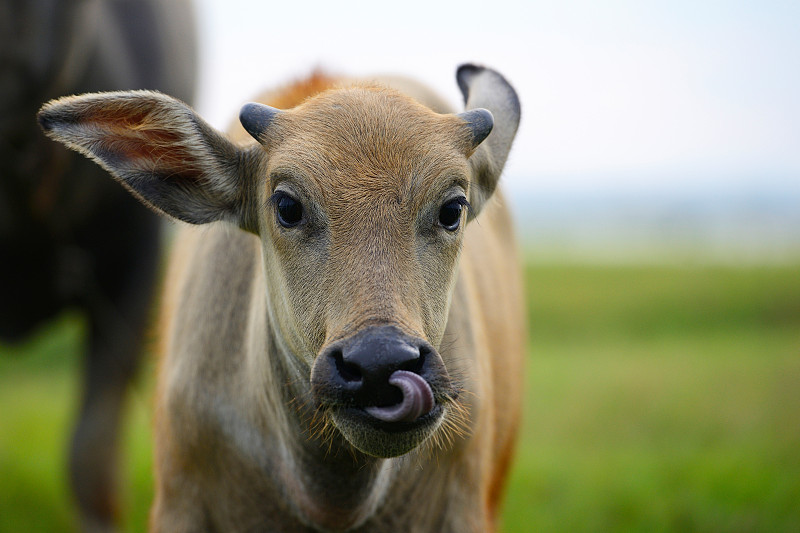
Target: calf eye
(450, 214)
(289, 210)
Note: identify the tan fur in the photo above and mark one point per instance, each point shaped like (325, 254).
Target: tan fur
(244, 440)
(488, 296)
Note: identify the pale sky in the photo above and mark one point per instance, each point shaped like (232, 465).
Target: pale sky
(614, 94)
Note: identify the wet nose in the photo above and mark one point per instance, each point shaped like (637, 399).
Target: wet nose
(377, 368)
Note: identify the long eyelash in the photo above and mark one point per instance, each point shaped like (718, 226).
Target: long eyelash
(463, 202)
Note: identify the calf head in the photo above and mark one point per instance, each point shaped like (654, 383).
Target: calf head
(359, 196)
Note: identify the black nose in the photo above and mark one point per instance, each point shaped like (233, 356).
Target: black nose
(356, 371)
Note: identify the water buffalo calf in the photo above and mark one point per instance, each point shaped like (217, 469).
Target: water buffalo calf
(344, 335)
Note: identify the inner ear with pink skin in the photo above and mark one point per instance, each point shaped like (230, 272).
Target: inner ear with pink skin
(158, 148)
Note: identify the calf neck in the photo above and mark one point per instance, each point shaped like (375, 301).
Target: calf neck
(344, 327)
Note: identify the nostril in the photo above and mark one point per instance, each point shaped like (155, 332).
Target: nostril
(416, 365)
(348, 371)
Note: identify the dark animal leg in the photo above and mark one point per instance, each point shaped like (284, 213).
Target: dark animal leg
(95, 443)
(118, 304)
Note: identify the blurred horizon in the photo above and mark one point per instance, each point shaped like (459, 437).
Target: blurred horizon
(700, 225)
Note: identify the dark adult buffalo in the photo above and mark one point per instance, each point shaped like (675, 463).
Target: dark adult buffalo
(69, 237)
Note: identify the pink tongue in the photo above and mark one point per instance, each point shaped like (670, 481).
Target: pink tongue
(417, 399)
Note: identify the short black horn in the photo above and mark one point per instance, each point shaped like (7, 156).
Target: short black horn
(480, 122)
(256, 118)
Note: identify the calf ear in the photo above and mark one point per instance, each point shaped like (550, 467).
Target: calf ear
(163, 152)
(487, 89)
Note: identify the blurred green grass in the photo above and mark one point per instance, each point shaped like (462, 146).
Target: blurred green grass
(659, 398)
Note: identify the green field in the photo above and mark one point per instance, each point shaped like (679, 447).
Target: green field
(658, 399)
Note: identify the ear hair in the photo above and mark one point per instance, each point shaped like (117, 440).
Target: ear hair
(484, 88)
(158, 148)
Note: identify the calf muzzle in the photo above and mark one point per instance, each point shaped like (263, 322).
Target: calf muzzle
(384, 381)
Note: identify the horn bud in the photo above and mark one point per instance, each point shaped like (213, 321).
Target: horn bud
(256, 118)
(480, 122)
